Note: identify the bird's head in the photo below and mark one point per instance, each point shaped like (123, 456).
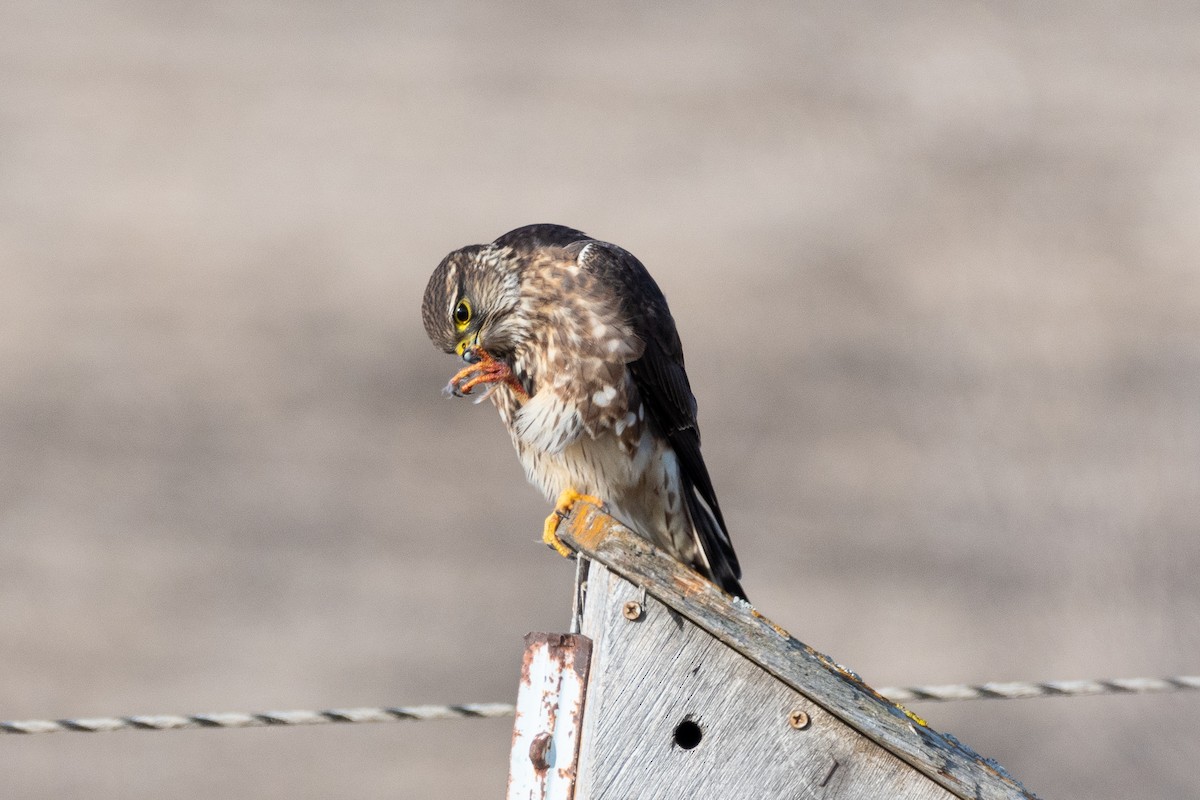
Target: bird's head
(473, 302)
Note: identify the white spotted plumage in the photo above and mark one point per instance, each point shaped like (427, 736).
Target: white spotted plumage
(590, 343)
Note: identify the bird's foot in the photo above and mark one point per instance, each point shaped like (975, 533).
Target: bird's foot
(483, 369)
(562, 508)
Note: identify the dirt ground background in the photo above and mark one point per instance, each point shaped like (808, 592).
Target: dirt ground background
(935, 266)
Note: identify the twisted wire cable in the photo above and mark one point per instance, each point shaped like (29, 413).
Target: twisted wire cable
(1020, 690)
(172, 722)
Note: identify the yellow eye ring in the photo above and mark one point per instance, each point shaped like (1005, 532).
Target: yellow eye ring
(462, 313)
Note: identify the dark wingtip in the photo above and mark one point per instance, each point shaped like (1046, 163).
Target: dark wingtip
(732, 586)
(709, 527)
(724, 577)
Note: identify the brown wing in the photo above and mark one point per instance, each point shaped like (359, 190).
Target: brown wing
(663, 384)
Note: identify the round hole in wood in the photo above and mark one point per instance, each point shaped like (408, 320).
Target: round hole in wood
(688, 734)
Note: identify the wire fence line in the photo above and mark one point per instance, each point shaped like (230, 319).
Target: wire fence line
(1022, 690)
(171, 722)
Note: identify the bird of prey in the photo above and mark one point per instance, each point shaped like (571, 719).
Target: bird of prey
(573, 342)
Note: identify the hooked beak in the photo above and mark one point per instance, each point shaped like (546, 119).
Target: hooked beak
(468, 349)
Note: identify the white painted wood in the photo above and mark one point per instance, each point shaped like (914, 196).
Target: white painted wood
(545, 748)
(653, 674)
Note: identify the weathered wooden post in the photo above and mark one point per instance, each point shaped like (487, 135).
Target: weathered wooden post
(676, 690)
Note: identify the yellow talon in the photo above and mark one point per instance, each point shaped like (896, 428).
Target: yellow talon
(566, 501)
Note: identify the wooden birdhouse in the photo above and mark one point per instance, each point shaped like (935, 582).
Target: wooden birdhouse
(670, 688)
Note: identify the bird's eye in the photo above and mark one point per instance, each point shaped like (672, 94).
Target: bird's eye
(462, 313)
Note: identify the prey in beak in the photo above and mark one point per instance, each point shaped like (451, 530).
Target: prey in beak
(482, 369)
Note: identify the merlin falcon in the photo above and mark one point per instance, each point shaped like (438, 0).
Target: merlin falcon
(573, 342)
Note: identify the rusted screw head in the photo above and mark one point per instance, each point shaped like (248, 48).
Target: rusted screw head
(539, 752)
(632, 610)
(798, 719)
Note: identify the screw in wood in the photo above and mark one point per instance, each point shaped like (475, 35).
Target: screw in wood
(798, 719)
(632, 610)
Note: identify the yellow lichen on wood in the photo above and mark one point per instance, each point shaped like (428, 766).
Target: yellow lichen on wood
(912, 716)
(588, 528)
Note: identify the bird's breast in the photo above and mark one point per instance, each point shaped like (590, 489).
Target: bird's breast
(599, 466)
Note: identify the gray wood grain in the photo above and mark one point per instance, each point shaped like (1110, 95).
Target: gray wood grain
(652, 674)
(721, 651)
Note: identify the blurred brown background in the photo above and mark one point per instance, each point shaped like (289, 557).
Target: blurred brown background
(935, 265)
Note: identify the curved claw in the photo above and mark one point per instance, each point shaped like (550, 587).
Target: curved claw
(562, 509)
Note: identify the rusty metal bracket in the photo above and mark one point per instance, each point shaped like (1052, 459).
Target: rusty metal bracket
(545, 747)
